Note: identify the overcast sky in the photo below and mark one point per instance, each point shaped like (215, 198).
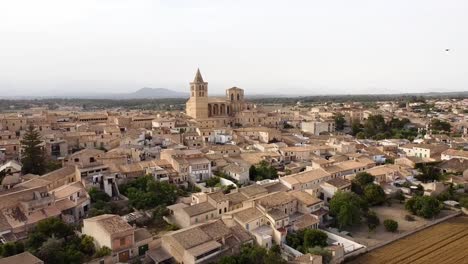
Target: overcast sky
(306, 47)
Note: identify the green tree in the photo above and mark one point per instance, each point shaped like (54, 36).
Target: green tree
(213, 181)
(374, 194)
(314, 237)
(372, 220)
(145, 192)
(98, 195)
(356, 127)
(428, 173)
(262, 171)
(339, 121)
(102, 252)
(390, 225)
(347, 208)
(360, 181)
(252, 254)
(87, 245)
(48, 251)
(252, 173)
(464, 202)
(424, 206)
(11, 248)
(440, 125)
(33, 158)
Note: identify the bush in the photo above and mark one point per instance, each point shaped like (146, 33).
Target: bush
(424, 206)
(390, 225)
(212, 182)
(464, 202)
(305, 239)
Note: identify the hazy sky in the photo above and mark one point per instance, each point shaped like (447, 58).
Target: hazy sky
(313, 46)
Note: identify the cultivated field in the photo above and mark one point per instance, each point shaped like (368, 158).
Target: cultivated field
(444, 243)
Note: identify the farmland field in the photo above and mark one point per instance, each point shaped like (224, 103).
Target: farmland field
(444, 243)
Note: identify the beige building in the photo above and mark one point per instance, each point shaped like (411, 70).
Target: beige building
(201, 244)
(112, 231)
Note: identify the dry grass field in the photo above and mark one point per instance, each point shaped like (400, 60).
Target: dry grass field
(444, 243)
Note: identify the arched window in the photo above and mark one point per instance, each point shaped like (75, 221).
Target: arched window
(232, 97)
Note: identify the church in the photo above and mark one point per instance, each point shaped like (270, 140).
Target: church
(214, 111)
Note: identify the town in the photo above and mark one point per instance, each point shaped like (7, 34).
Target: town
(228, 180)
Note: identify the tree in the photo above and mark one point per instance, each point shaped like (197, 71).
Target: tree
(356, 127)
(374, 194)
(390, 225)
(464, 202)
(11, 248)
(314, 237)
(424, 206)
(339, 121)
(98, 195)
(360, 181)
(347, 208)
(33, 159)
(252, 254)
(213, 181)
(262, 171)
(145, 192)
(428, 173)
(50, 251)
(102, 252)
(87, 245)
(372, 220)
(440, 125)
(53, 227)
(252, 172)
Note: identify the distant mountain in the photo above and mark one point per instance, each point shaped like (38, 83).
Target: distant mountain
(143, 93)
(146, 92)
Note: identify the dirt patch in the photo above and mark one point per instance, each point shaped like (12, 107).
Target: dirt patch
(396, 212)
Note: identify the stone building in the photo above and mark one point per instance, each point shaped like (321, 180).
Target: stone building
(214, 111)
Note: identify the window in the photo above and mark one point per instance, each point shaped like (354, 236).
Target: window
(122, 241)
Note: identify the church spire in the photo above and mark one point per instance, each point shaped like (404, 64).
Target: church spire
(198, 77)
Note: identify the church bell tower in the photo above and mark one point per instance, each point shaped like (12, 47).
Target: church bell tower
(197, 105)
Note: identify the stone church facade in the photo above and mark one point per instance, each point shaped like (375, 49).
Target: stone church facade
(214, 111)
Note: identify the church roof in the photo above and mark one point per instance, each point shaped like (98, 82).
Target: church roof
(198, 77)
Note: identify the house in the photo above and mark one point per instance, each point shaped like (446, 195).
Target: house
(452, 153)
(318, 127)
(238, 172)
(332, 186)
(309, 179)
(72, 200)
(432, 151)
(23, 258)
(114, 232)
(204, 243)
(10, 167)
(190, 164)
